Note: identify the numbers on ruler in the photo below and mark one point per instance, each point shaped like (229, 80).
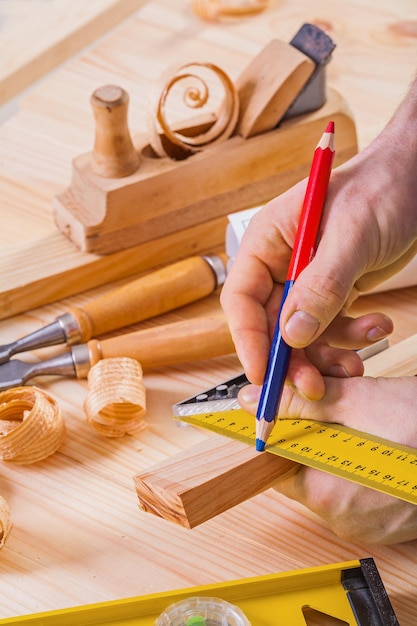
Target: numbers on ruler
(225, 423)
(320, 452)
(343, 451)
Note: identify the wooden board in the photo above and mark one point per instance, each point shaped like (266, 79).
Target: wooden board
(37, 35)
(54, 124)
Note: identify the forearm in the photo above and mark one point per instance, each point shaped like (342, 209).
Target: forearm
(398, 142)
(405, 117)
(379, 186)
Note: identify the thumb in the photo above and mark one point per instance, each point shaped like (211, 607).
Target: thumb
(317, 296)
(292, 404)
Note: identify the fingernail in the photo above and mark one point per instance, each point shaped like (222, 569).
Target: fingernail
(376, 333)
(250, 394)
(298, 391)
(301, 328)
(338, 371)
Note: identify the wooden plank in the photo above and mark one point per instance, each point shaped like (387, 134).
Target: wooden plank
(232, 472)
(30, 275)
(213, 476)
(399, 360)
(37, 36)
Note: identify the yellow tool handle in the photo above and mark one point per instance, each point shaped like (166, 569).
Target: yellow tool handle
(189, 340)
(163, 290)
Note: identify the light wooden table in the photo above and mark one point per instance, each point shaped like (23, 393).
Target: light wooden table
(78, 535)
(37, 36)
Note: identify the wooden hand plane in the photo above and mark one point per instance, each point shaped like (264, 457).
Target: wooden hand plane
(125, 193)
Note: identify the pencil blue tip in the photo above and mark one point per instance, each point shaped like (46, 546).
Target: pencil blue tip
(260, 445)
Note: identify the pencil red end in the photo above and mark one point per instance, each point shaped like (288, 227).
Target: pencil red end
(330, 128)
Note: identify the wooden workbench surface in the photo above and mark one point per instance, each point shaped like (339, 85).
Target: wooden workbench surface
(37, 36)
(78, 535)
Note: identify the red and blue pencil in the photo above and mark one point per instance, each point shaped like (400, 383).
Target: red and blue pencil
(303, 251)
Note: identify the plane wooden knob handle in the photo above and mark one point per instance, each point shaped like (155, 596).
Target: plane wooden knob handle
(155, 293)
(114, 155)
(179, 342)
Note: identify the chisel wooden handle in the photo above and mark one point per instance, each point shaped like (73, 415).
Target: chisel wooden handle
(189, 340)
(171, 287)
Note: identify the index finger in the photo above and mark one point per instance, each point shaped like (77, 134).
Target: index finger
(252, 292)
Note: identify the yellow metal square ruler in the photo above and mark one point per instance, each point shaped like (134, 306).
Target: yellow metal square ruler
(351, 454)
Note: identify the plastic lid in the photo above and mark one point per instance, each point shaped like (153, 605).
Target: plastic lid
(202, 611)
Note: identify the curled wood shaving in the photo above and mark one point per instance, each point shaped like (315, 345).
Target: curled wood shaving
(198, 86)
(116, 399)
(215, 9)
(5, 521)
(31, 425)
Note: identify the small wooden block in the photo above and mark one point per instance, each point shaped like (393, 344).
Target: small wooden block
(269, 85)
(398, 360)
(206, 480)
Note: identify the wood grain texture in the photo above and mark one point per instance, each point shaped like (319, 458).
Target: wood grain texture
(206, 480)
(78, 535)
(36, 37)
(51, 269)
(76, 515)
(399, 360)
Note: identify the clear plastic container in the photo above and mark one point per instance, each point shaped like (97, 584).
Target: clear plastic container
(202, 611)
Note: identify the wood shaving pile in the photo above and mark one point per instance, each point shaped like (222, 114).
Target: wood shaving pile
(116, 399)
(198, 82)
(215, 9)
(31, 425)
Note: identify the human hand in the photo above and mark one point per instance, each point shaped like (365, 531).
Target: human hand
(368, 232)
(251, 299)
(385, 407)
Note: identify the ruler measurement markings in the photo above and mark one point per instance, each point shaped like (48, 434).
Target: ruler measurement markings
(382, 473)
(339, 450)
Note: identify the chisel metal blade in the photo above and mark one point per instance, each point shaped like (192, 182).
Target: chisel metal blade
(15, 373)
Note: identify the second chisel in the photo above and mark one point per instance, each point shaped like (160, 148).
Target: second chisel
(155, 293)
(178, 342)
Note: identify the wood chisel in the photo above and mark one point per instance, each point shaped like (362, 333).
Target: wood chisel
(189, 340)
(160, 291)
